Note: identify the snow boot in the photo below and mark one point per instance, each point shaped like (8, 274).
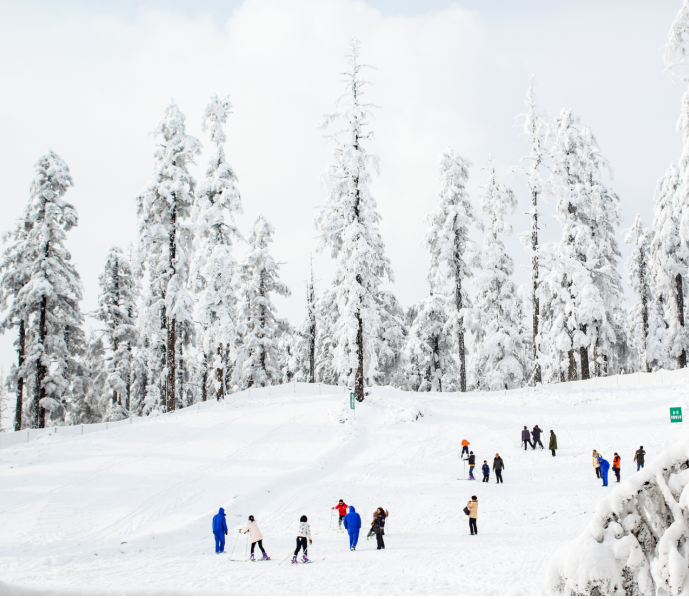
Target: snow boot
(251, 558)
(305, 559)
(265, 557)
(294, 559)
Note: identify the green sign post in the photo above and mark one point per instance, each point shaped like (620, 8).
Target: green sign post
(675, 414)
(351, 402)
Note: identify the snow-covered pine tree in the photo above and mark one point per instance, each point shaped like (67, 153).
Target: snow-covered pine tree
(164, 243)
(348, 223)
(668, 273)
(258, 360)
(639, 237)
(327, 318)
(535, 129)
(117, 311)
(214, 267)
(448, 241)
(496, 317)
(305, 338)
(50, 298)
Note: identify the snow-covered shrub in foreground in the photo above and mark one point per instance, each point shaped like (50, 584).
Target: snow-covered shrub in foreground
(638, 541)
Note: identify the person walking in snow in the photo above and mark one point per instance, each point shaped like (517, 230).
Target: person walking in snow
(604, 467)
(526, 439)
(486, 471)
(616, 466)
(379, 527)
(373, 523)
(498, 467)
(303, 535)
(536, 434)
(465, 448)
(352, 524)
(472, 506)
(472, 465)
(220, 530)
(553, 442)
(342, 509)
(596, 465)
(639, 458)
(256, 537)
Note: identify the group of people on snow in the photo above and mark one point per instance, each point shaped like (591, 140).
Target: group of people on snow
(352, 524)
(602, 465)
(536, 434)
(498, 464)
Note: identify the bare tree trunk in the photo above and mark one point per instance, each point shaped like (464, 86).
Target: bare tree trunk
(572, 370)
(643, 286)
(129, 377)
(38, 411)
(312, 330)
(680, 315)
(172, 323)
(534, 280)
(220, 376)
(359, 376)
(462, 351)
(21, 351)
(584, 358)
(436, 362)
(204, 377)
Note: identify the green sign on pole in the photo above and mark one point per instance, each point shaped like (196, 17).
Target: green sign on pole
(675, 414)
(351, 401)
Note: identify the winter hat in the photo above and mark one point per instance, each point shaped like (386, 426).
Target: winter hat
(303, 519)
(471, 452)
(474, 497)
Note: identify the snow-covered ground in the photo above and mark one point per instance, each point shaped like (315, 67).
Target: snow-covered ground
(130, 509)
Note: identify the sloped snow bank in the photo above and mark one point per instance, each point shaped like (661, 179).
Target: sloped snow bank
(638, 540)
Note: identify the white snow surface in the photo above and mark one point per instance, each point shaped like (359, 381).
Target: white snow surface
(129, 510)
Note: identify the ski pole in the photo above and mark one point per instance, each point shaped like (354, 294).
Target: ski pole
(235, 544)
(331, 518)
(283, 561)
(247, 549)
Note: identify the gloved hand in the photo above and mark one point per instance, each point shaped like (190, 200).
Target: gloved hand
(225, 533)
(310, 541)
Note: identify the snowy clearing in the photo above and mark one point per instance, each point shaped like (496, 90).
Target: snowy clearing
(130, 509)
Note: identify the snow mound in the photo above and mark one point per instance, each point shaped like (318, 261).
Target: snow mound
(638, 540)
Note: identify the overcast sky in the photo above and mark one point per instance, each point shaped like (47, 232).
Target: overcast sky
(91, 79)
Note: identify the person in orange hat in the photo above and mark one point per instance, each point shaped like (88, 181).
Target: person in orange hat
(465, 448)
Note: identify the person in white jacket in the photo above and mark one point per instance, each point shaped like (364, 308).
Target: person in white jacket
(256, 537)
(303, 533)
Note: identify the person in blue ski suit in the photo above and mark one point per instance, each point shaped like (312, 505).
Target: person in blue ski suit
(219, 530)
(352, 524)
(604, 467)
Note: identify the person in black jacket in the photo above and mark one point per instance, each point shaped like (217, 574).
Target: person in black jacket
(536, 434)
(379, 527)
(526, 439)
(498, 467)
(472, 465)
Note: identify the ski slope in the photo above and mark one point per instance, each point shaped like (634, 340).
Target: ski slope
(130, 509)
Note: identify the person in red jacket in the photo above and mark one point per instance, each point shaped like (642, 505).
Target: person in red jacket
(616, 466)
(342, 509)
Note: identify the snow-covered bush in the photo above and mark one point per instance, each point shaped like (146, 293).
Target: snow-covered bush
(638, 540)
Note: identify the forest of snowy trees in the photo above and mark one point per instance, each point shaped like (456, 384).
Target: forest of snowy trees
(183, 318)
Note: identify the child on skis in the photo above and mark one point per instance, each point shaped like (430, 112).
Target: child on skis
(303, 533)
(342, 509)
(486, 471)
(256, 537)
(352, 524)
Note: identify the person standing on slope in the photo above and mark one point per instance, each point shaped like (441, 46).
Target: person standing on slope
(373, 523)
(303, 534)
(342, 509)
(352, 524)
(486, 471)
(220, 530)
(604, 467)
(465, 448)
(596, 465)
(498, 467)
(472, 506)
(639, 458)
(616, 466)
(553, 442)
(526, 439)
(379, 527)
(256, 537)
(536, 434)
(472, 465)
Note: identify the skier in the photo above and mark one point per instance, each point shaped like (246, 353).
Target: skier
(553, 442)
(256, 537)
(472, 465)
(486, 471)
(639, 458)
(379, 527)
(596, 465)
(604, 467)
(536, 434)
(498, 467)
(342, 509)
(373, 523)
(220, 531)
(526, 439)
(303, 534)
(465, 448)
(352, 524)
(473, 514)
(616, 466)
